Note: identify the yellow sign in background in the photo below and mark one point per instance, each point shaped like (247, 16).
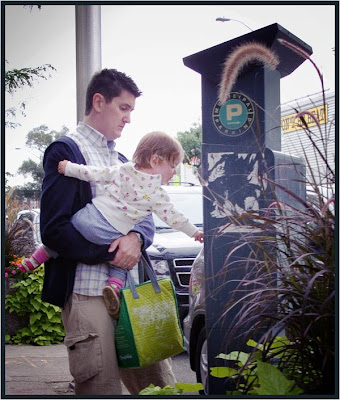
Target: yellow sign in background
(290, 124)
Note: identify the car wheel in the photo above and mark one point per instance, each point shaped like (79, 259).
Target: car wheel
(201, 361)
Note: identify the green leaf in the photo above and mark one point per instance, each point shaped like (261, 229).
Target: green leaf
(235, 355)
(56, 319)
(43, 342)
(30, 289)
(59, 329)
(222, 372)
(153, 390)
(50, 313)
(25, 332)
(273, 382)
(150, 390)
(169, 390)
(35, 304)
(34, 317)
(189, 387)
(252, 343)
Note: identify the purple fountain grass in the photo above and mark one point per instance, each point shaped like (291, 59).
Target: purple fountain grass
(238, 59)
(302, 53)
(300, 115)
(288, 285)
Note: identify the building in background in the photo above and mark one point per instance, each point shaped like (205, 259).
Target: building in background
(188, 173)
(295, 137)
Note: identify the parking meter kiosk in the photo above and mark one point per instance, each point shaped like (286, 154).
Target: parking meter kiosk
(241, 144)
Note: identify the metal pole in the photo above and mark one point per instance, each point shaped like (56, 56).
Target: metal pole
(88, 50)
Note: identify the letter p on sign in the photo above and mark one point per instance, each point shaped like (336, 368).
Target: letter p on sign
(233, 110)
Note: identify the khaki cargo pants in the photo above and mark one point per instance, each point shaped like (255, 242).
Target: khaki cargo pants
(92, 356)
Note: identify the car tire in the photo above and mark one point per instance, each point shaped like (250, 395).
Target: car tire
(201, 360)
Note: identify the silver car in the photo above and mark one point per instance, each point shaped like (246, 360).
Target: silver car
(194, 323)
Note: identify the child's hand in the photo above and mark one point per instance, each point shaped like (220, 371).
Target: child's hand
(198, 236)
(62, 167)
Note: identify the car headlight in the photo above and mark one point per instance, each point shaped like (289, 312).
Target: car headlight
(160, 267)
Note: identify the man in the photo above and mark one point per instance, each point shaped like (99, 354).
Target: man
(75, 280)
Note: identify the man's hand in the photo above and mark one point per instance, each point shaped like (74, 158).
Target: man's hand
(128, 253)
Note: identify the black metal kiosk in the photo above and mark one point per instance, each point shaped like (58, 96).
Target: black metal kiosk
(241, 142)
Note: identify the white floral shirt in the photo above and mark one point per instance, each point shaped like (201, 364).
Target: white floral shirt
(129, 196)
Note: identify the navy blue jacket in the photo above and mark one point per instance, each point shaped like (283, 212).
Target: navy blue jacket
(61, 198)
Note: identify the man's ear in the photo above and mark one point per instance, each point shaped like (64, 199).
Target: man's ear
(97, 101)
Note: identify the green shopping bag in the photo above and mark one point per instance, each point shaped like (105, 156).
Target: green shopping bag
(148, 328)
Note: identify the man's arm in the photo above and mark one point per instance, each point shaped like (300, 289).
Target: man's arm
(61, 198)
(131, 245)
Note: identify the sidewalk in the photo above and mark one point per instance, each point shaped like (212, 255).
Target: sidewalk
(37, 370)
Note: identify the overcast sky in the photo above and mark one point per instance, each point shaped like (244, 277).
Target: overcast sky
(148, 42)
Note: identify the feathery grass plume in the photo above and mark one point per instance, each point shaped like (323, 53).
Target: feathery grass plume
(238, 59)
(301, 116)
(18, 233)
(302, 53)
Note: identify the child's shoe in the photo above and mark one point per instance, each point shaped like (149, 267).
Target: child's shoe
(111, 296)
(31, 263)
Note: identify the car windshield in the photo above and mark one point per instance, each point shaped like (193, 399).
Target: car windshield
(190, 204)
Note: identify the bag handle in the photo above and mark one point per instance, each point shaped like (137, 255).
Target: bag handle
(151, 275)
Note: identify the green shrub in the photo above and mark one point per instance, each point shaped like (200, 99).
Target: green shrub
(45, 325)
(257, 372)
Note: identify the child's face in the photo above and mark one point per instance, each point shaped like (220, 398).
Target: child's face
(166, 169)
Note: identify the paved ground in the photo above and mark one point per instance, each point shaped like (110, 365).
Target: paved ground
(44, 370)
(37, 370)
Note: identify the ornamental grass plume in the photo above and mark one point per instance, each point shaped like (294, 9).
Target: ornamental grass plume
(303, 54)
(18, 239)
(238, 59)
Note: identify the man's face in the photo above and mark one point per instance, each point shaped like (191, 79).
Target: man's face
(114, 115)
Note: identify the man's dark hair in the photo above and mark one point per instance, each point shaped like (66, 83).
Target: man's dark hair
(109, 83)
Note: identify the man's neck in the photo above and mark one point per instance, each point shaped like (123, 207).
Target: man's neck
(89, 121)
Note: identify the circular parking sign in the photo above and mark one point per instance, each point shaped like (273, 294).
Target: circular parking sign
(235, 116)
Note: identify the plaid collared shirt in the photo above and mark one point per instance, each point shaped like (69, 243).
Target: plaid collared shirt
(91, 279)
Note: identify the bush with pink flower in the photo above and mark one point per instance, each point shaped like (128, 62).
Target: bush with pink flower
(12, 268)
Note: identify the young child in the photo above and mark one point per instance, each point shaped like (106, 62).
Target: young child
(132, 191)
